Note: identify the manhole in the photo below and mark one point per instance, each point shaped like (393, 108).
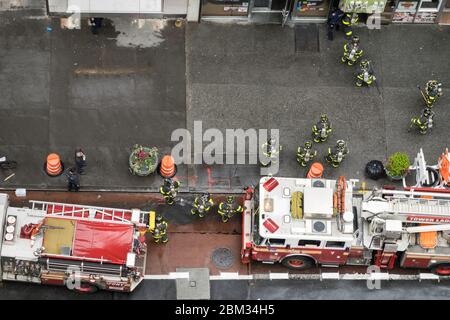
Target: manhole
(222, 258)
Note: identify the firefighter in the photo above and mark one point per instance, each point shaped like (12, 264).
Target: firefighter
(161, 225)
(305, 154)
(424, 122)
(229, 208)
(365, 74)
(321, 130)
(202, 205)
(169, 190)
(337, 154)
(270, 150)
(352, 51)
(348, 20)
(433, 90)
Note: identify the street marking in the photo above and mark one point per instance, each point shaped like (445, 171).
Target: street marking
(293, 276)
(110, 71)
(330, 275)
(278, 275)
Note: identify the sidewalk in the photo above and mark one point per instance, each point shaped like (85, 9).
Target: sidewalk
(68, 88)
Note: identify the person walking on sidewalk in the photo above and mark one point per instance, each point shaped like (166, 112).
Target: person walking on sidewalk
(80, 161)
(73, 180)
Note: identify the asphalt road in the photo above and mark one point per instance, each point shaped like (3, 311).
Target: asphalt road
(244, 290)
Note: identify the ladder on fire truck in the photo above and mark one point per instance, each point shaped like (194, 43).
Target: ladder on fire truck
(89, 213)
(419, 206)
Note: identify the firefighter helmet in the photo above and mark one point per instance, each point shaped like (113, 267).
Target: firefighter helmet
(308, 144)
(159, 218)
(365, 63)
(323, 117)
(355, 40)
(340, 144)
(205, 197)
(230, 199)
(426, 112)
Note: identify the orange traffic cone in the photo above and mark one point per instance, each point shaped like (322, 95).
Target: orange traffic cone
(316, 171)
(167, 167)
(54, 165)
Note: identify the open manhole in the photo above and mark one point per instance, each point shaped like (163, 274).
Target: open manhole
(222, 258)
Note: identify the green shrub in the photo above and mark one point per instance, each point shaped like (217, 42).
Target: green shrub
(397, 164)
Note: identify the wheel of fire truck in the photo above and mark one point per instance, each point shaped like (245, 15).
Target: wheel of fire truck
(86, 288)
(298, 262)
(442, 269)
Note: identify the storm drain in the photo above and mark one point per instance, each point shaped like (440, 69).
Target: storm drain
(222, 258)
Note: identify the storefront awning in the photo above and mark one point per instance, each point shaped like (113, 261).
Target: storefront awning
(362, 6)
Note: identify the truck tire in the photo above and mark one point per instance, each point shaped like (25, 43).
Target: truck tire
(298, 262)
(442, 269)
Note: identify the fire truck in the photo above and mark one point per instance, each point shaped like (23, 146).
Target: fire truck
(85, 248)
(302, 223)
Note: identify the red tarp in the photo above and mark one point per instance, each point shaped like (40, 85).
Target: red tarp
(107, 241)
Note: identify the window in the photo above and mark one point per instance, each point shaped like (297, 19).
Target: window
(276, 242)
(335, 244)
(309, 243)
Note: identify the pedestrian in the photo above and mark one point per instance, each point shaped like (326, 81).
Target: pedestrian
(73, 180)
(80, 161)
(334, 19)
(96, 24)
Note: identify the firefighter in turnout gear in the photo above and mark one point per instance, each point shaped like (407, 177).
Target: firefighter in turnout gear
(270, 150)
(337, 154)
(365, 74)
(169, 190)
(321, 130)
(229, 208)
(160, 231)
(352, 51)
(424, 122)
(348, 20)
(202, 205)
(305, 154)
(433, 90)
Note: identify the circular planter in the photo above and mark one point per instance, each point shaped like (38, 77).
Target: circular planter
(139, 167)
(394, 178)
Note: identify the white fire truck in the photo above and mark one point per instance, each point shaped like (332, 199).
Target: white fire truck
(306, 222)
(84, 247)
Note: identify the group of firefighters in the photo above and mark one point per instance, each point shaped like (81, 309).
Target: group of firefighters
(200, 207)
(320, 133)
(365, 75)
(424, 123)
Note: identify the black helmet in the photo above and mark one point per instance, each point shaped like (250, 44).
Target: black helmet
(323, 117)
(355, 39)
(308, 144)
(426, 112)
(205, 197)
(365, 63)
(230, 199)
(159, 218)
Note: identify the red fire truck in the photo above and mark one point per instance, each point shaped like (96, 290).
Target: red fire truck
(301, 223)
(84, 247)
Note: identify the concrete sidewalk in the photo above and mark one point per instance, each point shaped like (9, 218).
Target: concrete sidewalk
(65, 89)
(253, 77)
(69, 88)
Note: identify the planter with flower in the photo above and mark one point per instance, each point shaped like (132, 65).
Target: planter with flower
(397, 166)
(143, 160)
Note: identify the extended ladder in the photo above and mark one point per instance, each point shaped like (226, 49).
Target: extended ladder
(89, 213)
